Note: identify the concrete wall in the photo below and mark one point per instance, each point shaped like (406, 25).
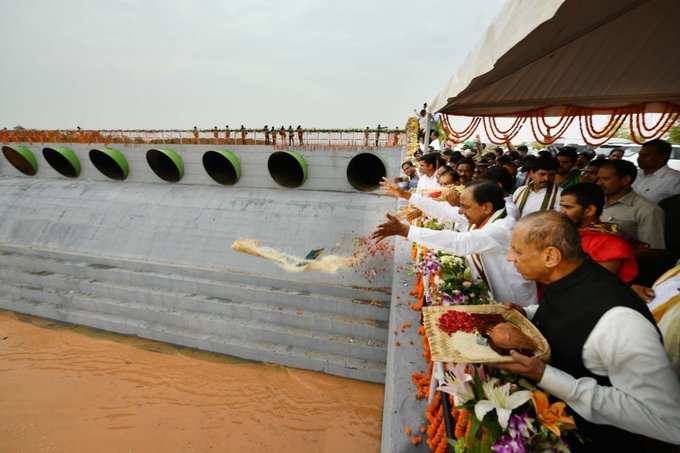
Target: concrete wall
(151, 237)
(327, 169)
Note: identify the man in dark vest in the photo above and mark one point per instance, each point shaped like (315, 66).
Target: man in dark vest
(608, 362)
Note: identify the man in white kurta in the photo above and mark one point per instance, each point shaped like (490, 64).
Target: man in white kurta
(540, 193)
(481, 203)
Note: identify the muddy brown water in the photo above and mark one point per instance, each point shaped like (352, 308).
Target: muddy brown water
(66, 388)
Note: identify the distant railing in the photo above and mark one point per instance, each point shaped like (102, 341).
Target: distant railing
(312, 138)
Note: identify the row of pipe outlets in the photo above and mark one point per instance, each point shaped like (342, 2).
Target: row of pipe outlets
(287, 168)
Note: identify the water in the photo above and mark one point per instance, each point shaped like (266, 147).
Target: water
(71, 388)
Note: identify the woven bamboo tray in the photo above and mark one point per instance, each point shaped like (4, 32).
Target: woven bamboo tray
(447, 348)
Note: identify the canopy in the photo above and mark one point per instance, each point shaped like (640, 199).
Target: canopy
(548, 53)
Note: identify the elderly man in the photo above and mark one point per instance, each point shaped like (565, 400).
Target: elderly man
(607, 362)
(541, 192)
(636, 217)
(483, 237)
(656, 180)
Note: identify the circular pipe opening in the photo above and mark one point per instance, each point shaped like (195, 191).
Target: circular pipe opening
(166, 163)
(63, 160)
(110, 162)
(222, 166)
(21, 158)
(365, 171)
(287, 168)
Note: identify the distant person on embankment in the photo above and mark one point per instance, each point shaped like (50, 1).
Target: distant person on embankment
(300, 132)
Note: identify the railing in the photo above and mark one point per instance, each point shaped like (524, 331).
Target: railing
(312, 139)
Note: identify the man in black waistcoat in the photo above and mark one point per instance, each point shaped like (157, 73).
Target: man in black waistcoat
(607, 362)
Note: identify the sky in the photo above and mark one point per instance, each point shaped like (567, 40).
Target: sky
(152, 64)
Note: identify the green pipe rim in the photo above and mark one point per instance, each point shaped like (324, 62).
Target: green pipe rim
(233, 159)
(118, 157)
(303, 163)
(69, 155)
(26, 154)
(174, 157)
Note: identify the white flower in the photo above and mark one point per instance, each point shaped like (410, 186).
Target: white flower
(447, 260)
(500, 399)
(457, 385)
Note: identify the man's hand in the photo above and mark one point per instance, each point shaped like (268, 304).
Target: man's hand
(393, 227)
(644, 293)
(393, 190)
(519, 308)
(530, 367)
(453, 197)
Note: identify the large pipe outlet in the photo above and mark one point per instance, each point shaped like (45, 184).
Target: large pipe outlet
(63, 160)
(110, 162)
(223, 166)
(166, 163)
(21, 158)
(287, 168)
(365, 171)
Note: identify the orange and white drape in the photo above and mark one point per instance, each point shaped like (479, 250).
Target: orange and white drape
(546, 132)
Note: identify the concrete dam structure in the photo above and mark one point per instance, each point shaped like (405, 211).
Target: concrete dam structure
(136, 240)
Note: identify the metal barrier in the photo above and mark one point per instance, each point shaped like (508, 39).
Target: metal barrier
(310, 139)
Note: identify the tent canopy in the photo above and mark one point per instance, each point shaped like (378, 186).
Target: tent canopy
(549, 54)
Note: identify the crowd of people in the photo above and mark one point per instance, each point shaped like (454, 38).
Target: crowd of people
(295, 137)
(562, 237)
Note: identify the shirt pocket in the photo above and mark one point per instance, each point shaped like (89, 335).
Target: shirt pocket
(625, 225)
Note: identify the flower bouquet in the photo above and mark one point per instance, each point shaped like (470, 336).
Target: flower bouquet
(495, 411)
(451, 281)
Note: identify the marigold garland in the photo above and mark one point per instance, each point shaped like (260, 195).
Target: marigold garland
(498, 136)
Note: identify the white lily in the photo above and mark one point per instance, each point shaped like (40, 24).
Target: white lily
(458, 385)
(500, 399)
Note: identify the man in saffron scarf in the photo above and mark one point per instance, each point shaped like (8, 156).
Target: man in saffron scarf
(583, 204)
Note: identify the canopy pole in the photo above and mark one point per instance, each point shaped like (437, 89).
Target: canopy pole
(426, 138)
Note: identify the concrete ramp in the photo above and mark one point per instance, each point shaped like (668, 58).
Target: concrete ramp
(151, 258)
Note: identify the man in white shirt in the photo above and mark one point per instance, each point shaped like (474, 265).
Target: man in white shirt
(541, 193)
(656, 181)
(608, 363)
(434, 141)
(483, 237)
(427, 166)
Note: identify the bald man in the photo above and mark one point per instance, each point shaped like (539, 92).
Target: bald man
(608, 362)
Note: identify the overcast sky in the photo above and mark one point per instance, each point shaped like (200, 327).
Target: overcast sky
(176, 64)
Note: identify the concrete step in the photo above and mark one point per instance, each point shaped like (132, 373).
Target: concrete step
(213, 324)
(202, 273)
(50, 269)
(273, 312)
(288, 355)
